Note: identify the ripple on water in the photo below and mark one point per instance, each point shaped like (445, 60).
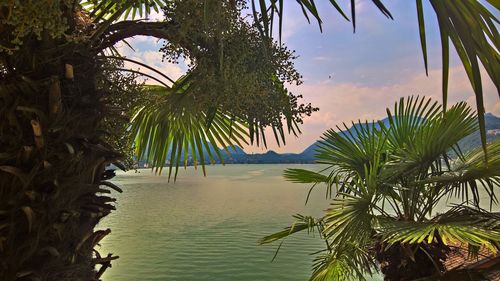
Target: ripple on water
(203, 229)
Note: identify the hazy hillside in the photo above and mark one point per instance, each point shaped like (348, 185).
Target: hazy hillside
(472, 141)
(492, 133)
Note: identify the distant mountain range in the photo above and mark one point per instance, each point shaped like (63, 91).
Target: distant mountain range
(239, 156)
(492, 123)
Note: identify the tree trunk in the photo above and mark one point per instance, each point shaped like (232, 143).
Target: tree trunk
(404, 263)
(53, 188)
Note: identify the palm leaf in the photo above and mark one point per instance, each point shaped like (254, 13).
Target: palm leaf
(331, 267)
(302, 223)
(472, 30)
(172, 128)
(418, 135)
(306, 176)
(348, 219)
(469, 172)
(107, 9)
(348, 152)
(350, 260)
(460, 224)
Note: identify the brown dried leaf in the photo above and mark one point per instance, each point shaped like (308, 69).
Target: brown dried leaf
(29, 216)
(16, 172)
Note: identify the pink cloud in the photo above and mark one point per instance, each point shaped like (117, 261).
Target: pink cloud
(344, 102)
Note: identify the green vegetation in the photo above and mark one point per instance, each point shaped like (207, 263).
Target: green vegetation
(386, 182)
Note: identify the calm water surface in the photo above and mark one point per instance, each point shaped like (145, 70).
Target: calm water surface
(207, 228)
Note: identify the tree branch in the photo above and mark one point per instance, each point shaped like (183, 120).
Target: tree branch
(126, 29)
(142, 64)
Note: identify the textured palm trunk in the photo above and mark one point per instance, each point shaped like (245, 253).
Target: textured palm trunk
(53, 188)
(403, 263)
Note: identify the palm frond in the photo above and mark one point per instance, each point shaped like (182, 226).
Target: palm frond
(472, 167)
(348, 219)
(107, 9)
(420, 138)
(315, 178)
(173, 132)
(468, 173)
(460, 224)
(266, 13)
(329, 267)
(407, 116)
(347, 261)
(351, 150)
(304, 176)
(471, 27)
(404, 164)
(301, 223)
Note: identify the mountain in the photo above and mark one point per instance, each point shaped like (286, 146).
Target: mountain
(492, 133)
(239, 156)
(309, 152)
(270, 157)
(472, 141)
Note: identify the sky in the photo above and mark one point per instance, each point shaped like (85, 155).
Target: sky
(352, 76)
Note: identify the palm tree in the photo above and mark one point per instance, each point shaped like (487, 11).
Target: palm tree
(65, 103)
(387, 180)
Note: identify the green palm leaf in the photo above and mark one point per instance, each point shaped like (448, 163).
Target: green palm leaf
(348, 219)
(301, 223)
(173, 129)
(460, 224)
(339, 266)
(472, 30)
(350, 151)
(418, 138)
(306, 176)
(389, 177)
(407, 117)
(115, 9)
(348, 260)
(468, 173)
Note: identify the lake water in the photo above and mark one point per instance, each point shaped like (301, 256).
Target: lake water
(206, 228)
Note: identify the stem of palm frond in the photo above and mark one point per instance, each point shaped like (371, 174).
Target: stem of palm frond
(143, 74)
(141, 64)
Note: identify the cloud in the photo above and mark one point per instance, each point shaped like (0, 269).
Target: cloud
(155, 16)
(346, 102)
(154, 59)
(145, 50)
(322, 58)
(359, 5)
(293, 21)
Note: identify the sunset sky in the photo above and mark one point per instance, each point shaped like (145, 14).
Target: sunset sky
(369, 70)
